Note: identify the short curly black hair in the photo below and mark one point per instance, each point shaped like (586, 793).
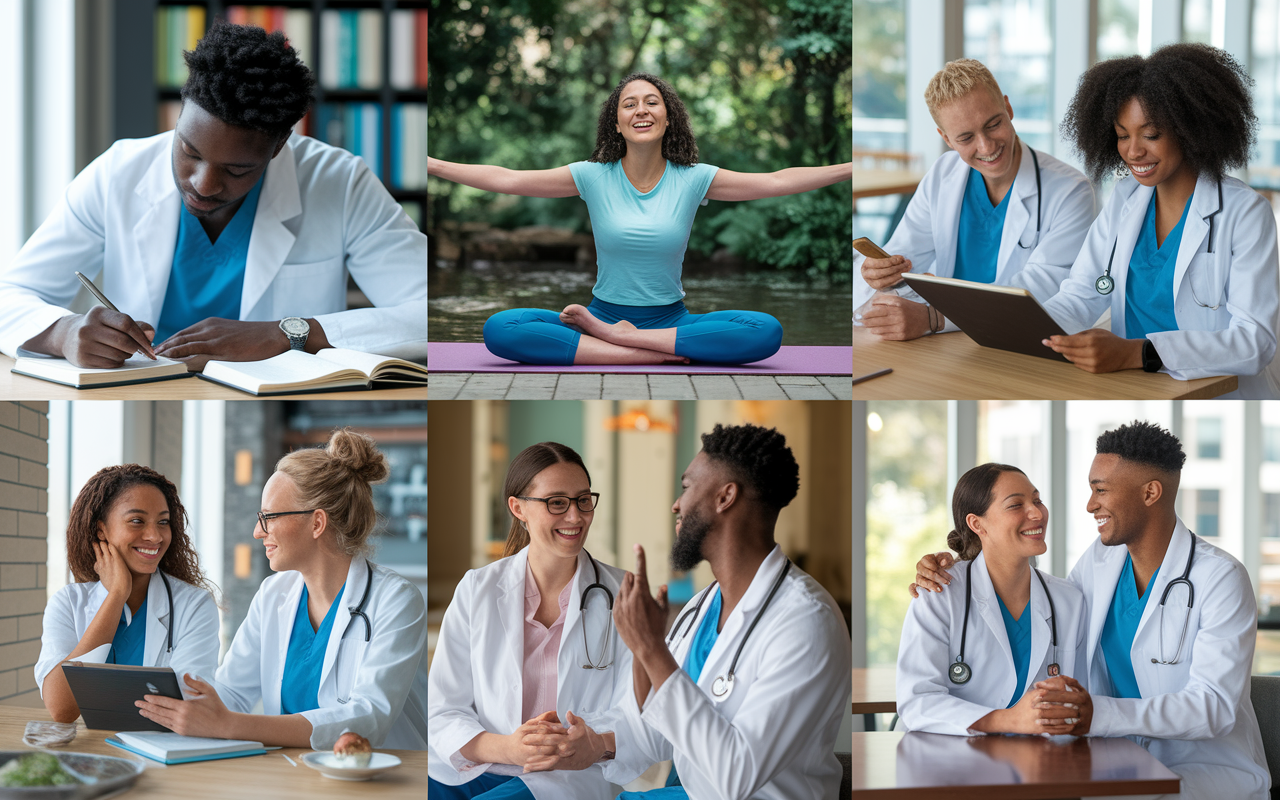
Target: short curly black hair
(249, 78)
(678, 144)
(1195, 93)
(759, 458)
(1144, 443)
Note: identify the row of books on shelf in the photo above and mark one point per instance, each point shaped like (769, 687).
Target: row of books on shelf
(351, 43)
(357, 128)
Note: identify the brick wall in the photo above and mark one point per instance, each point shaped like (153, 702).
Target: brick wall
(24, 501)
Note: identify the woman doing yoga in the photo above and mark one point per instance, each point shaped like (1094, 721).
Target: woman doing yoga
(642, 186)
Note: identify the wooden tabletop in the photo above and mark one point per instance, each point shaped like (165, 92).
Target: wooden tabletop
(911, 765)
(20, 387)
(873, 690)
(268, 775)
(951, 366)
(877, 182)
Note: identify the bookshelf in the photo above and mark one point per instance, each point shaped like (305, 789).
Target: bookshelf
(384, 113)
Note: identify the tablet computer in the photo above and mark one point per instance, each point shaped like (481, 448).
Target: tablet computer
(1003, 317)
(106, 693)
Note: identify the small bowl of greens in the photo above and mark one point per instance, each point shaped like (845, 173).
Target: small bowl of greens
(45, 775)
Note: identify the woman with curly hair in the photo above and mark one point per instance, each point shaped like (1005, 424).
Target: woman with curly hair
(642, 185)
(1183, 255)
(127, 525)
(332, 643)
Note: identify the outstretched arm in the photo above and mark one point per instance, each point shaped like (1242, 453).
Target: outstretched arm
(730, 185)
(556, 182)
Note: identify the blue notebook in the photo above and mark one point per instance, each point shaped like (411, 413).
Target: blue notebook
(173, 748)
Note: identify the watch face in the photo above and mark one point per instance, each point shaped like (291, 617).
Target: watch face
(295, 326)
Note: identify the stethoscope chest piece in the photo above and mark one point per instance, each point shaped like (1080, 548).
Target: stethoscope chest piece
(1104, 284)
(722, 687)
(959, 672)
(1054, 670)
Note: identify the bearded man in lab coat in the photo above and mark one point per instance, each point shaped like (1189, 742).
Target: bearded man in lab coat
(772, 734)
(229, 238)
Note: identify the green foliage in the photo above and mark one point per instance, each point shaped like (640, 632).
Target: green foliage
(768, 84)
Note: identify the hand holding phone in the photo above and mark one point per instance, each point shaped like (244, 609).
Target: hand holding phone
(880, 270)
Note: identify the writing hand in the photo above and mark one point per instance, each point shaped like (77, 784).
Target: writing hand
(101, 339)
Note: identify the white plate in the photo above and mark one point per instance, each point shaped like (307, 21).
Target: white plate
(327, 764)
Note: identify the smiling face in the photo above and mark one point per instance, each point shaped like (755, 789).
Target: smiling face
(289, 541)
(1151, 155)
(558, 534)
(695, 510)
(137, 524)
(1120, 498)
(216, 164)
(979, 127)
(1014, 524)
(642, 114)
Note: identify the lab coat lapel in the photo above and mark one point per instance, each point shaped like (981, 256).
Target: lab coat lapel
(947, 228)
(1105, 574)
(988, 608)
(1021, 209)
(286, 612)
(1204, 204)
(155, 236)
(510, 657)
(159, 618)
(357, 578)
(1127, 231)
(752, 602)
(568, 657)
(1041, 632)
(1174, 562)
(270, 241)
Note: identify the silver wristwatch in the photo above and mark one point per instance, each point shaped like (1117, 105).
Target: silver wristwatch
(296, 328)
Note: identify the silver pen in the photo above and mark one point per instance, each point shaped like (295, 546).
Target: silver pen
(102, 298)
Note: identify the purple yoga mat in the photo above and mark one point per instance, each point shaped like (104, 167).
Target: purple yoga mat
(790, 360)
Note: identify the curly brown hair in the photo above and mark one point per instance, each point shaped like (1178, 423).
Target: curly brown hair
(678, 144)
(96, 499)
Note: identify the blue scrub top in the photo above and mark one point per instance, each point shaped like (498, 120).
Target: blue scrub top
(1019, 631)
(981, 224)
(300, 688)
(704, 639)
(207, 278)
(129, 643)
(1148, 291)
(1122, 625)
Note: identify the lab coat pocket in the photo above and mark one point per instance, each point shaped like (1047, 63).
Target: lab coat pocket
(350, 656)
(1207, 280)
(316, 287)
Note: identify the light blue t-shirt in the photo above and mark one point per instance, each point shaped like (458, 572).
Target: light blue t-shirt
(128, 646)
(207, 278)
(704, 639)
(1019, 632)
(300, 686)
(641, 237)
(1122, 625)
(1148, 291)
(981, 226)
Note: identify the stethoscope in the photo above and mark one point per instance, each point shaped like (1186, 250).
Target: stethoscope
(1039, 201)
(1191, 596)
(960, 672)
(608, 638)
(1105, 283)
(169, 592)
(358, 611)
(722, 686)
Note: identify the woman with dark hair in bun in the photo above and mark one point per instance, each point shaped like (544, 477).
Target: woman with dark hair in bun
(970, 657)
(1183, 255)
(332, 643)
(126, 527)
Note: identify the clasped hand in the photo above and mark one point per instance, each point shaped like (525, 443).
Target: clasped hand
(543, 744)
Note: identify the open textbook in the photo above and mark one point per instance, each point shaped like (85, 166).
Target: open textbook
(332, 369)
(137, 369)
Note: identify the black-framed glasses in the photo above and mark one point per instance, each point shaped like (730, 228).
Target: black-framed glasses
(559, 504)
(263, 516)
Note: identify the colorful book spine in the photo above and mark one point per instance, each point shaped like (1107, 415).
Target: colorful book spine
(369, 49)
(402, 46)
(330, 36)
(409, 146)
(351, 44)
(421, 40)
(297, 26)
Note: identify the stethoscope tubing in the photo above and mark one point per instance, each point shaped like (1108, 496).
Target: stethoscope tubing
(1191, 601)
(1039, 200)
(608, 642)
(964, 625)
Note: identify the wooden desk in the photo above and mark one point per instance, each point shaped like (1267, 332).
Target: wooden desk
(879, 182)
(20, 387)
(950, 366)
(253, 776)
(873, 690)
(912, 765)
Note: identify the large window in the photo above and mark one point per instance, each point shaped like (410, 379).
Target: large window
(1012, 38)
(880, 75)
(1265, 68)
(1118, 28)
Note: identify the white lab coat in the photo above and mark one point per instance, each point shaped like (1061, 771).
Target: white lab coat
(476, 683)
(321, 214)
(1241, 277)
(774, 737)
(928, 700)
(928, 234)
(195, 632)
(373, 688)
(1195, 716)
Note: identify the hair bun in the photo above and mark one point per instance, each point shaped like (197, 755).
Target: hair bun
(358, 453)
(955, 541)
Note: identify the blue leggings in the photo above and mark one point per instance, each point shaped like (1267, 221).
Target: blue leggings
(537, 336)
(485, 787)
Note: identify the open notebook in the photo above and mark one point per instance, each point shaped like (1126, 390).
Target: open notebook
(172, 748)
(137, 369)
(330, 370)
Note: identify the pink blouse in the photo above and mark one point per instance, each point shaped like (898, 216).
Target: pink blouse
(541, 651)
